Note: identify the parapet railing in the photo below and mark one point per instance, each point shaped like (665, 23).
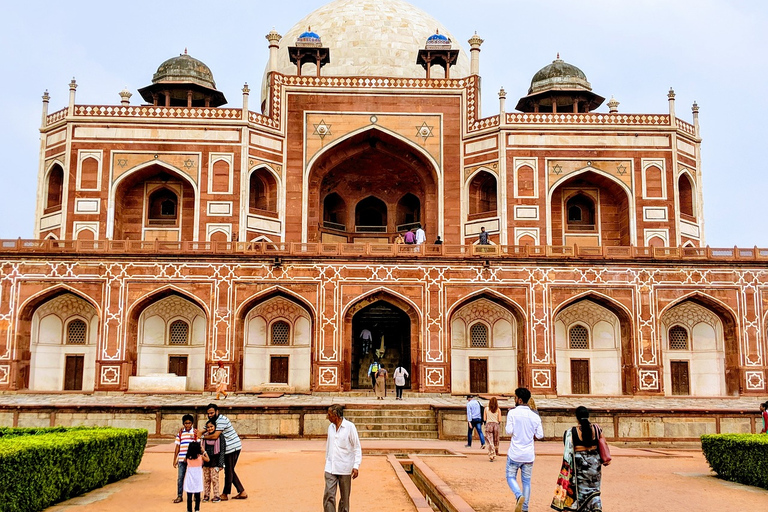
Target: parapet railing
(373, 250)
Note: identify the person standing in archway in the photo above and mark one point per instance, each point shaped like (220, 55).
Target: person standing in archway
(381, 383)
(482, 238)
(373, 369)
(399, 375)
(421, 236)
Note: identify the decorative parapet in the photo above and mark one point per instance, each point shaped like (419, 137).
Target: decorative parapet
(591, 118)
(56, 117)
(155, 248)
(152, 112)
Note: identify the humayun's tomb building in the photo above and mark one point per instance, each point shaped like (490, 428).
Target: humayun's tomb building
(187, 228)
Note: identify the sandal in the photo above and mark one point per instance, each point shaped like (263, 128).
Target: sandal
(240, 496)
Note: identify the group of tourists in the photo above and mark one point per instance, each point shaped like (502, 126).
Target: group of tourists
(415, 236)
(378, 374)
(201, 454)
(585, 451)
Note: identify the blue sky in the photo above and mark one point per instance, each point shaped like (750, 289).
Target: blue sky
(709, 51)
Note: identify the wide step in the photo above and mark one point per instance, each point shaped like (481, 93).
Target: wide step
(393, 422)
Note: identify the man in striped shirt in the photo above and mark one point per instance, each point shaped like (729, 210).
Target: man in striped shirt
(185, 436)
(234, 445)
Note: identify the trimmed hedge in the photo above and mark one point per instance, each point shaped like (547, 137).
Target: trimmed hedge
(741, 458)
(40, 467)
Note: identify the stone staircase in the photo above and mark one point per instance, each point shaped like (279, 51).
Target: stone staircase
(393, 421)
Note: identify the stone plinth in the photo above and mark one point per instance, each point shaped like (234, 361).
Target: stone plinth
(158, 382)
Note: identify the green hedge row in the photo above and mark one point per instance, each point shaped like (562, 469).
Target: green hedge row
(741, 458)
(40, 467)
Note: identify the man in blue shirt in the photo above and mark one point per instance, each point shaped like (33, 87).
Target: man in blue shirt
(475, 421)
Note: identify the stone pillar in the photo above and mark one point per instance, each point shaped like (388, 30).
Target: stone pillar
(72, 87)
(189, 99)
(474, 51)
(671, 97)
(125, 97)
(274, 44)
(502, 105)
(46, 99)
(246, 93)
(613, 106)
(695, 111)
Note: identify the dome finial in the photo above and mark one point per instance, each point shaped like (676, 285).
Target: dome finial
(185, 50)
(558, 55)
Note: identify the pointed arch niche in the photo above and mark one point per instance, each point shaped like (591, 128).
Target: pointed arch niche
(154, 203)
(593, 348)
(486, 351)
(370, 164)
(277, 341)
(167, 334)
(64, 337)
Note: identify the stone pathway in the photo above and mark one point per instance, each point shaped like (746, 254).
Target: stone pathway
(749, 404)
(287, 475)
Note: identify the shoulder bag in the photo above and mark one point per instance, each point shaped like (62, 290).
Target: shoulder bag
(602, 447)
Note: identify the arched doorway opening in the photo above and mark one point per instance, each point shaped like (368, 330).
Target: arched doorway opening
(371, 165)
(381, 326)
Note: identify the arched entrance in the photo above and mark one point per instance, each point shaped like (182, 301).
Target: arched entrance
(384, 328)
(369, 187)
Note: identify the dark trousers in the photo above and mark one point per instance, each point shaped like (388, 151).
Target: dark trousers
(373, 380)
(181, 471)
(230, 477)
(477, 423)
(344, 483)
(400, 391)
(189, 501)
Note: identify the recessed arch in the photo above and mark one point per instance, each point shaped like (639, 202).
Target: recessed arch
(626, 332)
(370, 161)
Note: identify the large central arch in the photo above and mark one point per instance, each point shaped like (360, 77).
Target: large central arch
(398, 324)
(370, 164)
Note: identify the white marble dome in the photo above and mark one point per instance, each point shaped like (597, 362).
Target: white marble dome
(371, 38)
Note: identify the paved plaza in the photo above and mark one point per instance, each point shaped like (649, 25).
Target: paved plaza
(287, 475)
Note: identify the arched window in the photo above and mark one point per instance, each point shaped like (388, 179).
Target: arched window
(654, 182)
(478, 336)
(178, 333)
(580, 213)
(334, 212)
(220, 176)
(262, 192)
(482, 194)
(55, 189)
(578, 337)
(371, 215)
(678, 338)
(89, 174)
(526, 187)
(685, 189)
(408, 212)
(76, 332)
(280, 333)
(163, 207)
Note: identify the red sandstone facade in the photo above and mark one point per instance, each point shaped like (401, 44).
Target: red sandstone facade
(176, 236)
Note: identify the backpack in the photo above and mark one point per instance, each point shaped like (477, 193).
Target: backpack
(375, 368)
(482, 411)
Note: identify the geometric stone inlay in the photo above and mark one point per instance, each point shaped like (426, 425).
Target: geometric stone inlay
(328, 376)
(5, 374)
(435, 376)
(541, 377)
(649, 380)
(755, 380)
(110, 375)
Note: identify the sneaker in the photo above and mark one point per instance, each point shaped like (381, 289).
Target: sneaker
(178, 499)
(206, 499)
(216, 500)
(482, 447)
(520, 503)
(467, 446)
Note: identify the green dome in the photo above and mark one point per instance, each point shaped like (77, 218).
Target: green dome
(559, 75)
(184, 69)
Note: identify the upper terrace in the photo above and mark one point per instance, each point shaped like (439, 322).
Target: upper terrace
(479, 253)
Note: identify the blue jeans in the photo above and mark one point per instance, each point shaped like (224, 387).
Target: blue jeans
(180, 480)
(525, 471)
(477, 423)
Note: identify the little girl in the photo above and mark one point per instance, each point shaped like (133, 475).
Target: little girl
(214, 449)
(193, 479)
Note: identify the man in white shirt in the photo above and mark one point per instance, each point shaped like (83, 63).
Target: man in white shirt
(342, 459)
(421, 236)
(523, 425)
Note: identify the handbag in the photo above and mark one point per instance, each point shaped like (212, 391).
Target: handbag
(602, 447)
